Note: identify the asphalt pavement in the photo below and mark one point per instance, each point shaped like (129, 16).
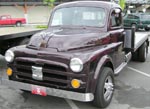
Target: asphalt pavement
(132, 91)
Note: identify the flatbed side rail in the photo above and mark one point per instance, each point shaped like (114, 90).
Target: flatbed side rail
(18, 35)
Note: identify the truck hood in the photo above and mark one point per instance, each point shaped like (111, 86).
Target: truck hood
(68, 39)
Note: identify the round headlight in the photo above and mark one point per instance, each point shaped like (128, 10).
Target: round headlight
(76, 65)
(9, 56)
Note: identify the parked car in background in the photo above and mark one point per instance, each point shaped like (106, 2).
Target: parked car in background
(138, 21)
(8, 20)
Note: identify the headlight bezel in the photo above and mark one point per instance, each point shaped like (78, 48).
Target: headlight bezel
(9, 56)
(76, 65)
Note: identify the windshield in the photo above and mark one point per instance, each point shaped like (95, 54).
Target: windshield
(79, 16)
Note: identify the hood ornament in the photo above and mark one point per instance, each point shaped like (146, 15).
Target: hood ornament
(44, 35)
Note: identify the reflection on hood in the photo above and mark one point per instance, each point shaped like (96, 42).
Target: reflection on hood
(68, 39)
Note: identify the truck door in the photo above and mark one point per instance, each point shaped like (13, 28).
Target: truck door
(117, 35)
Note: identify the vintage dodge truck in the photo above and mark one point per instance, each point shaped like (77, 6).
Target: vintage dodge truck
(78, 55)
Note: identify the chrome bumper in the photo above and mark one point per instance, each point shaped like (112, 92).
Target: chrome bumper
(85, 97)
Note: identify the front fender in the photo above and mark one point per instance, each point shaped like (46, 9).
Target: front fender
(104, 61)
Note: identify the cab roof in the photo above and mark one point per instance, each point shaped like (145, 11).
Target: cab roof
(102, 4)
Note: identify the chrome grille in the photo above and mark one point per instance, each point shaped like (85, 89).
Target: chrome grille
(53, 75)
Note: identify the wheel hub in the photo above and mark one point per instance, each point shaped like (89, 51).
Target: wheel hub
(108, 88)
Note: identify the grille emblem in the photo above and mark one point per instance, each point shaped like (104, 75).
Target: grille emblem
(37, 73)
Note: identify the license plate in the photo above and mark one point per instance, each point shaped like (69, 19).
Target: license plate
(38, 90)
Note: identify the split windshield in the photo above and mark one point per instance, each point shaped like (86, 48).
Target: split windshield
(79, 16)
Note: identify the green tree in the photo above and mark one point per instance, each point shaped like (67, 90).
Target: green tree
(50, 3)
(122, 4)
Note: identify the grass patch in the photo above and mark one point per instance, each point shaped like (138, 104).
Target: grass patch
(42, 26)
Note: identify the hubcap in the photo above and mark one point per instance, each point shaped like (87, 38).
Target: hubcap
(108, 88)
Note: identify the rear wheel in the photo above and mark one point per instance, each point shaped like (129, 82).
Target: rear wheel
(147, 29)
(142, 53)
(18, 24)
(105, 88)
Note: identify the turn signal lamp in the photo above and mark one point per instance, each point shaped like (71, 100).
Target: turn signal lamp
(9, 71)
(75, 83)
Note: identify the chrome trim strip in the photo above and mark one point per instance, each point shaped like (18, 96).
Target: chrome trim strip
(118, 69)
(84, 97)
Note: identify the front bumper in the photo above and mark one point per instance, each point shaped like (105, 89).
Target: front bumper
(85, 97)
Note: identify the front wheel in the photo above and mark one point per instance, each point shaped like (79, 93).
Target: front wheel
(105, 88)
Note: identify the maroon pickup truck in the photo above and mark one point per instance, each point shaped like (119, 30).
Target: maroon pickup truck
(7, 20)
(78, 55)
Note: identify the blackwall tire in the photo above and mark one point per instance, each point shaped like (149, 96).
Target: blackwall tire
(18, 24)
(147, 29)
(142, 52)
(104, 89)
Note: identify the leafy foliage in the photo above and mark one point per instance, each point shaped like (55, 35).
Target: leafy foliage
(50, 3)
(42, 26)
(122, 4)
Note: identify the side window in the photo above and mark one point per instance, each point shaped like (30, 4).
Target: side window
(130, 16)
(136, 17)
(3, 17)
(116, 18)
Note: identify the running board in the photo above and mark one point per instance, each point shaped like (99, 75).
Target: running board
(118, 69)
(127, 59)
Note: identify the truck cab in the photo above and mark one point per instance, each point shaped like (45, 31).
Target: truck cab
(5, 19)
(76, 57)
